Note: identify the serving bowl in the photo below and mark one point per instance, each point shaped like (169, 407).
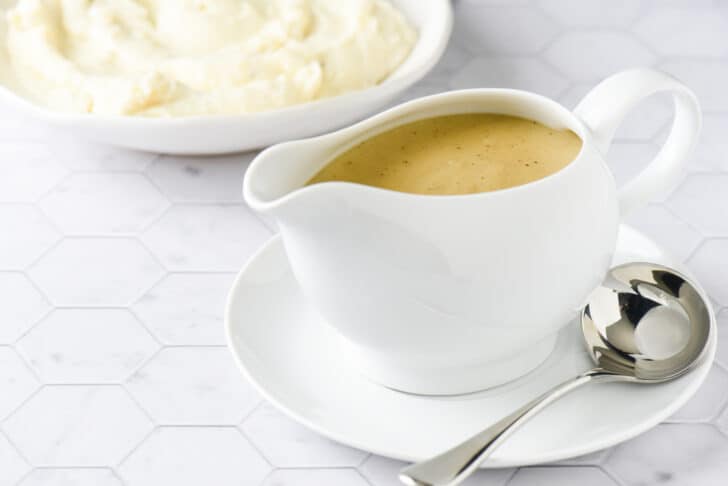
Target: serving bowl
(235, 133)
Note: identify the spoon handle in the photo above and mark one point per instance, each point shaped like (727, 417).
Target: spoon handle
(454, 465)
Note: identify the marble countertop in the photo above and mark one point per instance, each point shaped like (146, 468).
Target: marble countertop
(114, 266)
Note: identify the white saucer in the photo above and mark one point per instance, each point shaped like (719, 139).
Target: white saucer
(290, 355)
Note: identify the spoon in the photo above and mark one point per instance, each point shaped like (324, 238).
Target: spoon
(645, 324)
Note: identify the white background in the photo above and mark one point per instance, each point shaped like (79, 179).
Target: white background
(114, 267)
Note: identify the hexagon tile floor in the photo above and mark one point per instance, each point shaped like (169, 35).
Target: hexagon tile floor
(114, 266)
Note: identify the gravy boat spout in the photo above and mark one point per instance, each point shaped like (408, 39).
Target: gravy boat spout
(275, 183)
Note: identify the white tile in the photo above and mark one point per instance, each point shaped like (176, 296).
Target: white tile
(490, 477)
(674, 454)
(627, 159)
(285, 443)
(593, 55)
(493, 2)
(26, 235)
(194, 457)
(701, 201)
(201, 179)
(491, 29)
(71, 477)
(206, 237)
(12, 466)
(710, 265)
(673, 234)
(88, 203)
(504, 72)
(455, 56)
(574, 94)
(722, 422)
(646, 119)
(642, 124)
(707, 78)
(709, 400)
(711, 151)
(27, 171)
(23, 307)
(431, 85)
(186, 308)
(193, 385)
(381, 471)
(593, 459)
(594, 13)
(77, 426)
(561, 476)
(17, 382)
(79, 154)
(684, 32)
(96, 272)
(87, 346)
(315, 477)
(693, 3)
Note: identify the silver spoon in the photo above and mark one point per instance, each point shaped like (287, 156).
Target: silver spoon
(645, 324)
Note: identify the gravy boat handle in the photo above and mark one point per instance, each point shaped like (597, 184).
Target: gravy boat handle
(606, 105)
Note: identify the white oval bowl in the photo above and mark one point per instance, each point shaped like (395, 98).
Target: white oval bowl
(219, 134)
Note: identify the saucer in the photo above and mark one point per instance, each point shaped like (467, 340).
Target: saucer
(291, 356)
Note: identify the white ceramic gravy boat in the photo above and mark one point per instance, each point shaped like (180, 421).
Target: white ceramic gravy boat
(452, 294)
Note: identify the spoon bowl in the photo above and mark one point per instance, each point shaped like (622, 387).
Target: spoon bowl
(646, 323)
(639, 311)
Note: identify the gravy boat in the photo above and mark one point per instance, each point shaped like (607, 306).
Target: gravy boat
(448, 294)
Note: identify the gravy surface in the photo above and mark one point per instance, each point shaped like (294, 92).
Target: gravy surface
(455, 154)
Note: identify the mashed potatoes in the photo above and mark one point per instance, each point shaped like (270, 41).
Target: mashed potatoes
(201, 57)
